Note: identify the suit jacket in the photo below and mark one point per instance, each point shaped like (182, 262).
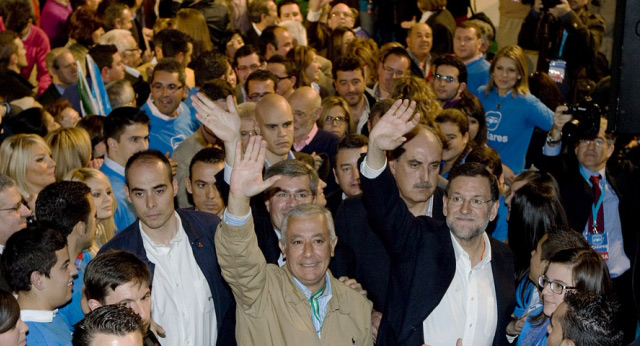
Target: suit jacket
(251, 37)
(49, 95)
(200, 229)
(4, 285)
(443, 26)
(372, 261)
(423, 265)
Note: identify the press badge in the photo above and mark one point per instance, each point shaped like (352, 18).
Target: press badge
(557, 69)
(600, 244)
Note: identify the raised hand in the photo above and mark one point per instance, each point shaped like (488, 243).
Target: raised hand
(224, 124)
(389, 132)
(246, 178)
(316, 5)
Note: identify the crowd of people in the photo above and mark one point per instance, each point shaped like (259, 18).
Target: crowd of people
(322, 172)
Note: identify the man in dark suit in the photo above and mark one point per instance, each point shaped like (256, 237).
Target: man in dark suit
(418, 189)
(446, 282)
(346, 172)
(262, 14)
(612, 231)
(179, 248)
(62, 66)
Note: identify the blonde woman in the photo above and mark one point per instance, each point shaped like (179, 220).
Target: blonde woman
(416, 89)
(511, 111)
(27, 159)
(70, 149)
(104, 201)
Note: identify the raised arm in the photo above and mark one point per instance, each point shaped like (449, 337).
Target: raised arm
(224, 124)
(242, 263)
(389, 132)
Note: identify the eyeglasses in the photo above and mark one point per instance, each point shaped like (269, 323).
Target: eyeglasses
(257, 97)
(446, 79)
(253, 68)
(299, 196)
(171, 87)
(280, 79)
(247, 133)
(17, 207)
(334, 120)
(392, 72)
(555, 286)
(475, 202)
(597, 141)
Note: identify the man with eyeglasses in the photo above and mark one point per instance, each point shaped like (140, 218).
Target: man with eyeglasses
(450, 81)
(246, 61)
(13, 216)
(396, 63)
(452, 281)
(284, 70)
(170, 117)
(260, 84)
(467, 44)
(320, 33)
(601, 201)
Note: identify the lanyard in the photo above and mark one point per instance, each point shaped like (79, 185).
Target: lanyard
(564, 40)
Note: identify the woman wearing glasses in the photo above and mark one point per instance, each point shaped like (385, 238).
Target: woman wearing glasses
(579, 269)
(511, 111)
(335, 116)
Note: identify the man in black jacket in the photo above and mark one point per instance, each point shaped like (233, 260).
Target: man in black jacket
(568, 39)
(446, 282)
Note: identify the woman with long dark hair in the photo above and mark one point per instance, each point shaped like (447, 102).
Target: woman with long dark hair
(13, 332)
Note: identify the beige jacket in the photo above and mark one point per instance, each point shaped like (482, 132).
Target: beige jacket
(271, 310)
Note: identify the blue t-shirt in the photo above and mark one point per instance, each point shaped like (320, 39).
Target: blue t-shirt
(510, 121)
(55, 333)
(124, 215)
(166, 135)
(501, 232)
(478, 74)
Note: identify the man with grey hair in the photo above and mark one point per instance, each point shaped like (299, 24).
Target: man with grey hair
(131, 56)
(13, 216)
(63, 70)
(271, 300)
(121, 94)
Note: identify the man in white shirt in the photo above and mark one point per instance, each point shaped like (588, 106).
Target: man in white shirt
(459, 281)
(191, 301)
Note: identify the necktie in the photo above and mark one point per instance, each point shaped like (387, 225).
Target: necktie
(599, 226)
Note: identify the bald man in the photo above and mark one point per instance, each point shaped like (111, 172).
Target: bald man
(419, 43)
(308, 138)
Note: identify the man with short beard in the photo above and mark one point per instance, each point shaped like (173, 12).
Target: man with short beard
(473, 295)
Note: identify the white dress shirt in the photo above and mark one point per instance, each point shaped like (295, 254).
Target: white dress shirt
(182, 300)
(468, 309)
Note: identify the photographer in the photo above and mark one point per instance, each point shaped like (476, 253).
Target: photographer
(600, 195)
(567, 37)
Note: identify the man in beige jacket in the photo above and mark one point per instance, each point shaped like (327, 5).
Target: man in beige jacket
(300, 303)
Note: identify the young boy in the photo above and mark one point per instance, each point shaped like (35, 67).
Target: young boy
(121, 278)
(37, 266)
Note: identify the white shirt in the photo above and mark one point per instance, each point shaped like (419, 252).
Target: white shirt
(468, 309)
(40, 316)
(182, 300)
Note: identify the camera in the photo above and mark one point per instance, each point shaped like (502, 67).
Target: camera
(585, 122)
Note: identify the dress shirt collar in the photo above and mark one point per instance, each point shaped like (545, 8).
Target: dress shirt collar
(41, 316)
(177, 238)
(307, 139)
(132, 71)
(258, 31)
(113, 165)
(463, 255)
